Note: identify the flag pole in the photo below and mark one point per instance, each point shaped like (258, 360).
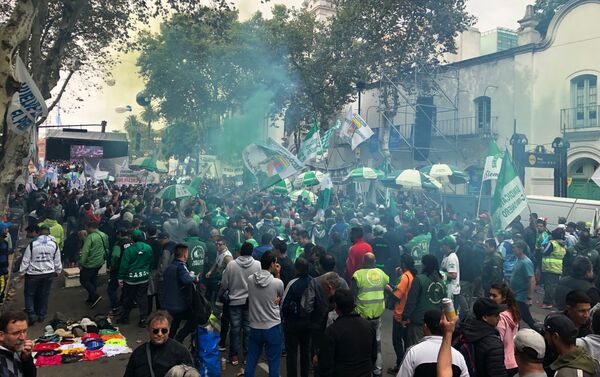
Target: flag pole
(479, 198)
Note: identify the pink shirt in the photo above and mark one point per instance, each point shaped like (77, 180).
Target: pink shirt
(508, 330)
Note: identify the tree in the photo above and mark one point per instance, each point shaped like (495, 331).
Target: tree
(149, 115)
(544, 11)
(55, 37)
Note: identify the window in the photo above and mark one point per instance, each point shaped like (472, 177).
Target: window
(584, 96)
(483, 113)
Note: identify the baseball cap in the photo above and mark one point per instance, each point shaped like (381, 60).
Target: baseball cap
(530, 342)
(560, 324)
(44, 226)
(448, 241)
(487, 306)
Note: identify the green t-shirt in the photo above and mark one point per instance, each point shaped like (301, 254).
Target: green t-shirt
(418, 246)
(197, 255)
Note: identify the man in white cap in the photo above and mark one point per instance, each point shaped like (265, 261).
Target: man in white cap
(530, 349)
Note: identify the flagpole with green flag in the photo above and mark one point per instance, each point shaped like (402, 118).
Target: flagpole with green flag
(509, 196)
(491, 169)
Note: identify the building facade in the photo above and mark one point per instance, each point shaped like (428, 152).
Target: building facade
(541, 88)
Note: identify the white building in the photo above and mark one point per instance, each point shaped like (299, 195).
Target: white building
(546, 88)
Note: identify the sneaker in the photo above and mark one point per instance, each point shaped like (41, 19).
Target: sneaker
(93, 304)
(222, 347)
(546, 306)
(234, 360)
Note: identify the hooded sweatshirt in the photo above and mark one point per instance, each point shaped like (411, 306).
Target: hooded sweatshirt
(489, 350)
(591, 343)
(235, 278)
(263, 291)
(567, 365)
(507, 328)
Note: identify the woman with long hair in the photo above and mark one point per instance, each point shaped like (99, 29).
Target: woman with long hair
(508, 324)
(407, 274)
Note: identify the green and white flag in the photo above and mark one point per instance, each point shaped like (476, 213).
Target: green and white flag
(311, 145)
(509, 197)
(270, 163)
(493, 162)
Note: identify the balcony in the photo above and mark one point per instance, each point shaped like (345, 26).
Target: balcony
(452, 128)
(582, 119)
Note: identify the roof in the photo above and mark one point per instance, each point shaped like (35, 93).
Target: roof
(89, 135)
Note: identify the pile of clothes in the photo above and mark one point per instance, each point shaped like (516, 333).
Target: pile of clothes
(69, 342)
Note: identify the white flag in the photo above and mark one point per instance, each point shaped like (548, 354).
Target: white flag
(493, 162)
(355, 130)
(27, 105)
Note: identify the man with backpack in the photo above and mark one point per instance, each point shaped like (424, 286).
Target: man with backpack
(561, 333)
(234, 284)
(113, 264)
(296, 321)
(480, 342)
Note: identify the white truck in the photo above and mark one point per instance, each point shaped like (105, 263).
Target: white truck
(552, 208)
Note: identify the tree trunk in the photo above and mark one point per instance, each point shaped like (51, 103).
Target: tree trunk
(15, 150)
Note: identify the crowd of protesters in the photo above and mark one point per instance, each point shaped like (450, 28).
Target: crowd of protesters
(311, 283)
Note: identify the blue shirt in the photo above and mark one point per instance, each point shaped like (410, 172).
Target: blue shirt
(521, 274)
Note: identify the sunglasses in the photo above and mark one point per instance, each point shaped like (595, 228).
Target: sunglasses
(163, 331)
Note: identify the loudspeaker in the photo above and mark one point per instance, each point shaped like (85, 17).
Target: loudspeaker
(424, 120)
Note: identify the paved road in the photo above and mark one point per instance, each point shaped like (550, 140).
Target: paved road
(70, 302)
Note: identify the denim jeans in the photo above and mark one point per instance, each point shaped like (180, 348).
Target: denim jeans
(113, 292)
(87, 278)
(376, 324)
(238, 315)
(272, 341)
(135, 293)
(37, 290)
(526, 315)
(398, 334)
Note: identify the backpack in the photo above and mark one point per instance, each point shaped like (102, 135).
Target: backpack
(199, 306)
(468, 351)
(292, 302)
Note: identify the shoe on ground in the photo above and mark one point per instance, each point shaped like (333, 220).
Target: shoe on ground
(546, 306)
(393, 371)
(41, 319)
(93, 304)
(234, 360)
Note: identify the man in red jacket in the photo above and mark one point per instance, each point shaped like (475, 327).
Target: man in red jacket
(357, 252)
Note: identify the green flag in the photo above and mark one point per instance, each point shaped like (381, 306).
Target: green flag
(493, 162)
(509, 197)
(311, 145)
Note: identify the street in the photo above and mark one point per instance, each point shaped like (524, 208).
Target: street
(70, 302)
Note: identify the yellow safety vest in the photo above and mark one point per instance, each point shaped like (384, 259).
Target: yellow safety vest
(370, 301)
(554, 261)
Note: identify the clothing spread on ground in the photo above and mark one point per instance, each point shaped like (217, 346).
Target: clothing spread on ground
(67, 342)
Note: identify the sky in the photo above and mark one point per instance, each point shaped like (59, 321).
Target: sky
(80, 106)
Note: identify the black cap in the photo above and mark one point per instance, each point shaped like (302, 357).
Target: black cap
(163, 236)
(487, 306)
(560, 324)
(33, 228)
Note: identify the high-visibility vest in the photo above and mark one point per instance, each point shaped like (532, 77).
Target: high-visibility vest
(370, 301)
(553, 262)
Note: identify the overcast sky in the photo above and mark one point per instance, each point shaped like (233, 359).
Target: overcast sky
(91, 108)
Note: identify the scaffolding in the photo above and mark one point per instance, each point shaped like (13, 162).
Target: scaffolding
(442, 83)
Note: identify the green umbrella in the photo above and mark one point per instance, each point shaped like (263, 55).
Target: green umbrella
(414, 179)
(176, 192)
(310, 196)
(196, 181)
(364, 174)
(308, 179)
(282, 187)
(445, 172)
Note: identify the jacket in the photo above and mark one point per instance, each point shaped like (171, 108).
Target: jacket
(489, 350)
(136, 263)
(291, 303)
(507, 328)
(567, 365)
(317, 304)
(56, 231)
(41, 256)
(263, 291)
(235, 278)
(493, 270)
(348, 348)
(591, 343)
(94, 250)
(163, 357)
(569, 283)
(176, 279)
(7, 365)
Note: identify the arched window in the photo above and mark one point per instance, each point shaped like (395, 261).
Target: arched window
(584, 100)
(483, 113)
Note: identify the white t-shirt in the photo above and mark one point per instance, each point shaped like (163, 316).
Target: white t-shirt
(450, 264)
(426, 352)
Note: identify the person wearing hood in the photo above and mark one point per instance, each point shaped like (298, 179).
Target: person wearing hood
(580, 278)
(584, 247)
(171, 227)
(561, 333)
(235, 283)
(56, 230)
(508, 325)
(591, 342)
(552, 267)
(265, 291)
(481, 332)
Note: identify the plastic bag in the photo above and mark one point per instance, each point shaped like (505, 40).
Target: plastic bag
(207, 348)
